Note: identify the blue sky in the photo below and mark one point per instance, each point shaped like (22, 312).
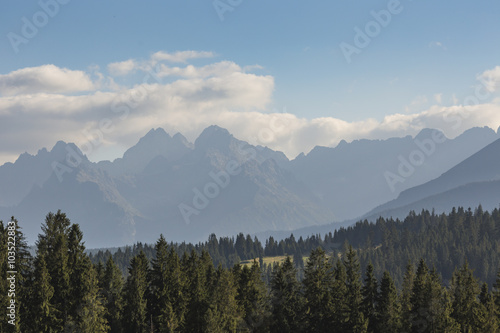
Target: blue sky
(429, 55)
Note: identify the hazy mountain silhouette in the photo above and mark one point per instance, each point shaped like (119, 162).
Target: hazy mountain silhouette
(223, 185)
(474, 181)
(355, 177)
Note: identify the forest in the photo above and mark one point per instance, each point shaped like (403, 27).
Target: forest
(428, 273)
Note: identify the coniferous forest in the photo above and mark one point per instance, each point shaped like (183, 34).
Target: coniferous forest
(428, 273)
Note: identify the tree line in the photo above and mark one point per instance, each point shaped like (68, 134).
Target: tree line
(444, 241)
(59, 289)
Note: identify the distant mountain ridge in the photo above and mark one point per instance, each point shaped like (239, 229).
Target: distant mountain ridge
(219, 184)
(352, 178)
(474, 181)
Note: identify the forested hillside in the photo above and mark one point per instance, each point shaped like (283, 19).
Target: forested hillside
(443, 241)
(60, 289)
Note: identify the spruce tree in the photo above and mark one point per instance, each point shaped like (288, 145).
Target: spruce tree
(223, 314)
(112, 286)
(388, 307)
(197, 294)
(369, 292)
(176, 311)
(406, 297)
(91, 314)
(252, 298)
(46, 316)
(286, 300)
(340, 311)
(465, 289)
(420, 299)
(135, 296)
(52, 244)
(318, 284)
(160, 305)
(78, 267)
(356, 321)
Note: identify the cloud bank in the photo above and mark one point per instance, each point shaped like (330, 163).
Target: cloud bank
(41, 105)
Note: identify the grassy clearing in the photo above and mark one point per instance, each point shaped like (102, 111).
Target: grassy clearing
(269, 260)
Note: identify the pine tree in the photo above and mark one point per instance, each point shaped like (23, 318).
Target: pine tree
(356, 320)
(223, 314)
(112, 286)
(252, 298)
(52, 244)
(318, 284)
(420, 300)
(91, 312)
(405, 298)
(465, 304)
(46, 318)
(369, 292)
(135, 296)
(197, 294)
(78, 267)
(286, 300)
(388, 309)
(176, 311)
(496, 288)
(160, 304)
(340, 311)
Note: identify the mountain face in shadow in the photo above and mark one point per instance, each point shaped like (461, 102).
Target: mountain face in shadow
(356, 177)
(474, 181)
(219, 184)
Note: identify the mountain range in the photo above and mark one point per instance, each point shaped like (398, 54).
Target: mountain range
(219, 184)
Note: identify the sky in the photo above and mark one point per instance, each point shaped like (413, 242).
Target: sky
(289, 75)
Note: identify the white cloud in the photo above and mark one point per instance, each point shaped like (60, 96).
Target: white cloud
(224, 68)
(438, 98)
(122, 68)
(46, 79)
(417, 104)
(438, 45)
(221, 93)
(180, 56)
(491, 79)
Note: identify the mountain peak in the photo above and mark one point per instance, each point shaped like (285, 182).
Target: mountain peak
(59, 146)
(156, 135)
(428, 132)
(61, 149)
(182, 139)
(213, 136)
(215, 130)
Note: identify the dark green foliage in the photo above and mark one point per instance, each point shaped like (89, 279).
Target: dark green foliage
(52, 245)
(135, 296)
(90, 316)
(252, 298)
(356, 322)
(286, 299)
(318, 284)
(112, 285)
(61, 291)
(223, 314)
(369, 293)
(46, 319)
(388, 311)
(465, 290)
